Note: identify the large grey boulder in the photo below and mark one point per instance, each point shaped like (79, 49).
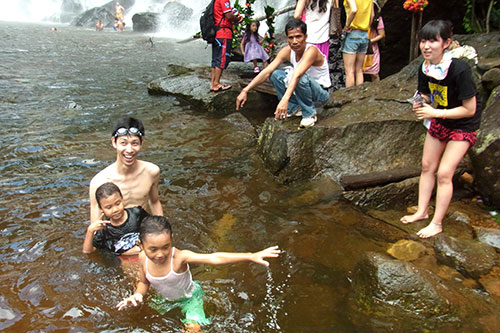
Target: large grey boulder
(89, 18)
(146, 22)
(370, 128)
(193, 86)
(105, 13)
(485, 155)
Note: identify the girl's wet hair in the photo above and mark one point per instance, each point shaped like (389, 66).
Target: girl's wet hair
(106, 190)
(154, 225)
(432, 29)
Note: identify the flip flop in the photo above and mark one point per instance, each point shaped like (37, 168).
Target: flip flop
(222, 88)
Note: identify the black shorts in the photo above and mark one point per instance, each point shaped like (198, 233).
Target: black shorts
(221, 52)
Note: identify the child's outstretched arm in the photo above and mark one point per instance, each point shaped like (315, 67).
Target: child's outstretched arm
(140, 290)
(220, 258)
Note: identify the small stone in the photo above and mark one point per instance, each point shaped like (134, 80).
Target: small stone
(407, 250)
(467, 178)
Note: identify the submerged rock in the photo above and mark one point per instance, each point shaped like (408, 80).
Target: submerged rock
(406, 250)
(385, 289)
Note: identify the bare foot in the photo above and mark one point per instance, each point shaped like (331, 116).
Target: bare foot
(431, 230)
(414, 217)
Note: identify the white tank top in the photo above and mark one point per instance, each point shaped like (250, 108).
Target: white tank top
(173, 285)
(319, 73)
(318, 24)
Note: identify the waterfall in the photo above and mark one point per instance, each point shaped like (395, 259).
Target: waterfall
(64, 11)
(45, 10)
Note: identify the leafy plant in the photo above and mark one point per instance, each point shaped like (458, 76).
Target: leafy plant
(478, 15)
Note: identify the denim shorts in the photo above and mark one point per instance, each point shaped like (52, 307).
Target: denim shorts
(356, 42)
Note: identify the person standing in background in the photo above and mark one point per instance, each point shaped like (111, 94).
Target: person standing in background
(316, 14)
(224, 17)
(119, 10)
(377, 33)
(359, 14)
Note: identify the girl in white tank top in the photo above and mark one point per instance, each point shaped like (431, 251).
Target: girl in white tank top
(155, 234)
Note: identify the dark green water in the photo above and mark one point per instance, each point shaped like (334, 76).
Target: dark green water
(213, 188)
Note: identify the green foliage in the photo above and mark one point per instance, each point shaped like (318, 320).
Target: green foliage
(478, 15)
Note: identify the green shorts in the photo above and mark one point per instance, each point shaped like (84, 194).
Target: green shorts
(191, 307)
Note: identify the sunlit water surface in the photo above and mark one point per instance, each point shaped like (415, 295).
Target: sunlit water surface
(213, 188)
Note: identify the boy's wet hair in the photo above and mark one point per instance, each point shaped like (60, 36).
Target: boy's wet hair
(129, 122)
(106, 190)
(154, 225)
(294, 23)
(432, 29)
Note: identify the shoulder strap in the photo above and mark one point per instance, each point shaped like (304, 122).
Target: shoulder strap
(335, 3)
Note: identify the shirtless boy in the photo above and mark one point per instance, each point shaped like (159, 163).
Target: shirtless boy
(138, 180)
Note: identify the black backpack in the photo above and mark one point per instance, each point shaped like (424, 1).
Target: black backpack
(207, 24)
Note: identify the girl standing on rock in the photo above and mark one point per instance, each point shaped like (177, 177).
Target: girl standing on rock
(359, 15)
(251, 46)
(451, 106)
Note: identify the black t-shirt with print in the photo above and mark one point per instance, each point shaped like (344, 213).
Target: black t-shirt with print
(450, 92)
(107, 238)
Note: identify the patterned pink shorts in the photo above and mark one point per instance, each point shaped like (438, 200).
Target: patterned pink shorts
(445, 134)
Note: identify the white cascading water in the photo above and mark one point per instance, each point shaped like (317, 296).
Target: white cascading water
(50, 11)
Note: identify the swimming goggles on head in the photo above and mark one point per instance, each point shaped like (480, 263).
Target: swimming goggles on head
(127, 131)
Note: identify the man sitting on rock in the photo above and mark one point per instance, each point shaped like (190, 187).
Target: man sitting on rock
(304, 85)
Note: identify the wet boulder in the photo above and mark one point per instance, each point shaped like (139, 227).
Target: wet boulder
(146, 22)
(105, 13)
(386, 288)
(89, 18)
(491, 79)
(364, 129)
(470, 257)
(192, 84)
(486, 153)
(489, 236)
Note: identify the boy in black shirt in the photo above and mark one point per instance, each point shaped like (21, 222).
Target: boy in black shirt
(120, 234)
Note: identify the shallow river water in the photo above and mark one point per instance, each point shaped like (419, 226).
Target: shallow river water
(214, 190)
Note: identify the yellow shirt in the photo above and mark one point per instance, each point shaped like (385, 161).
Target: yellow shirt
(362, 19)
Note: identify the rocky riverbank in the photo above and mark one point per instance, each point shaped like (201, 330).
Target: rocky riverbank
(367, 145)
